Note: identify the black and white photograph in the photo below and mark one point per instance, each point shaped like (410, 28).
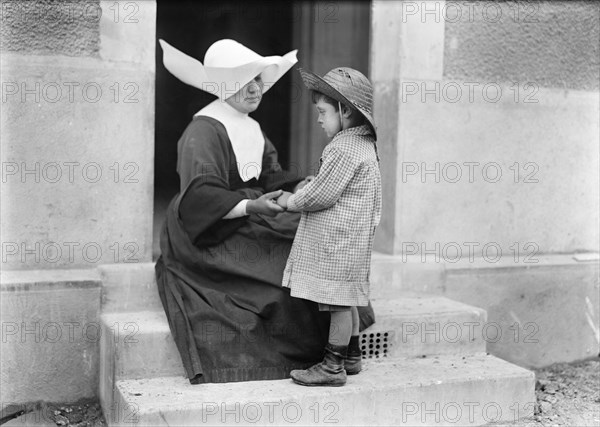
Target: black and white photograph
(298, 213)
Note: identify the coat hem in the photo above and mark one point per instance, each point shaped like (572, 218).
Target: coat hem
(328, 291)
(225, 375)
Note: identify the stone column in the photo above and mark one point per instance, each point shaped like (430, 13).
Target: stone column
(488, 125)
(77, 133)
(404, 47)
(77, 123)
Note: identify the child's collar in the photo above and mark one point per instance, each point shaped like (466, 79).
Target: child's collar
(354, 130)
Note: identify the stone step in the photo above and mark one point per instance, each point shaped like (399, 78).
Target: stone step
(441, 390)
(140, 344)
(132, 287)
(129, 287)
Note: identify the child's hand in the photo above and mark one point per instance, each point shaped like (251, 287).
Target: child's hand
(302, 183)
(282, 200)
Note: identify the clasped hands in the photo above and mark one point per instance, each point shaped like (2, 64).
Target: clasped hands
(274, 202)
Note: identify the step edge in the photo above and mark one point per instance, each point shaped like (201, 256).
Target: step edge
(515, 372)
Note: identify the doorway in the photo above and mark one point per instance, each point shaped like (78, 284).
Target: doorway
(326, 35)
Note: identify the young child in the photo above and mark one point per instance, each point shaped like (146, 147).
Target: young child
(331, 256)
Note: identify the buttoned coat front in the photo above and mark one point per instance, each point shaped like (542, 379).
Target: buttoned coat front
(331, 256)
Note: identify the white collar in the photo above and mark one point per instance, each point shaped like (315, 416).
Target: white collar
(245, 134)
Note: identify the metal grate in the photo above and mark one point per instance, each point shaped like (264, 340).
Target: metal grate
(375, 344)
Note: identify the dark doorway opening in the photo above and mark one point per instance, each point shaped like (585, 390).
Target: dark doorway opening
(326, 34)
(192, 26)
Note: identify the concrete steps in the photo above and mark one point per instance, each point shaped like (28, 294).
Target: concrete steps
(440, 390)
(132, 287)
(425, 364)
(140, 345)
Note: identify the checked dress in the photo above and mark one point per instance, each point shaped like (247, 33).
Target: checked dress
(331, 256)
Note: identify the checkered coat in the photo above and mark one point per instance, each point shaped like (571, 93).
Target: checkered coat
(331, 256)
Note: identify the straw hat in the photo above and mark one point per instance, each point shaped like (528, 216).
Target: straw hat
(228, 66)
(346, 85)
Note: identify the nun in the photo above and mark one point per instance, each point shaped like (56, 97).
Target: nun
(225, 241)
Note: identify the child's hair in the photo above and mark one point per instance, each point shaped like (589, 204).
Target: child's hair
(317, 96)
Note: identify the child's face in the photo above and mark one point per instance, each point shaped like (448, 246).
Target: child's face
(328, 118)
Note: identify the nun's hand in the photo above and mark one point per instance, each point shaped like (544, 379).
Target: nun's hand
(265, 204)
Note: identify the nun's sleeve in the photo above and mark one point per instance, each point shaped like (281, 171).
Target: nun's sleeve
(238, 210)
(273, 176)
(208, 197)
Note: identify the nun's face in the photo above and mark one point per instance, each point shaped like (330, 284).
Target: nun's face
(248, 98)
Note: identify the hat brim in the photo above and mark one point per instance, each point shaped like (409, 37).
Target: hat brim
(314, 82)
(225, 82)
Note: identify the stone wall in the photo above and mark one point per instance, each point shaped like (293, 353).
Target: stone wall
(77, 120)
(77, 133)
(488, 125)
(489, 119)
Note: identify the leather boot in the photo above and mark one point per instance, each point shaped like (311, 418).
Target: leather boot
(329, 372)
(353, 362)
